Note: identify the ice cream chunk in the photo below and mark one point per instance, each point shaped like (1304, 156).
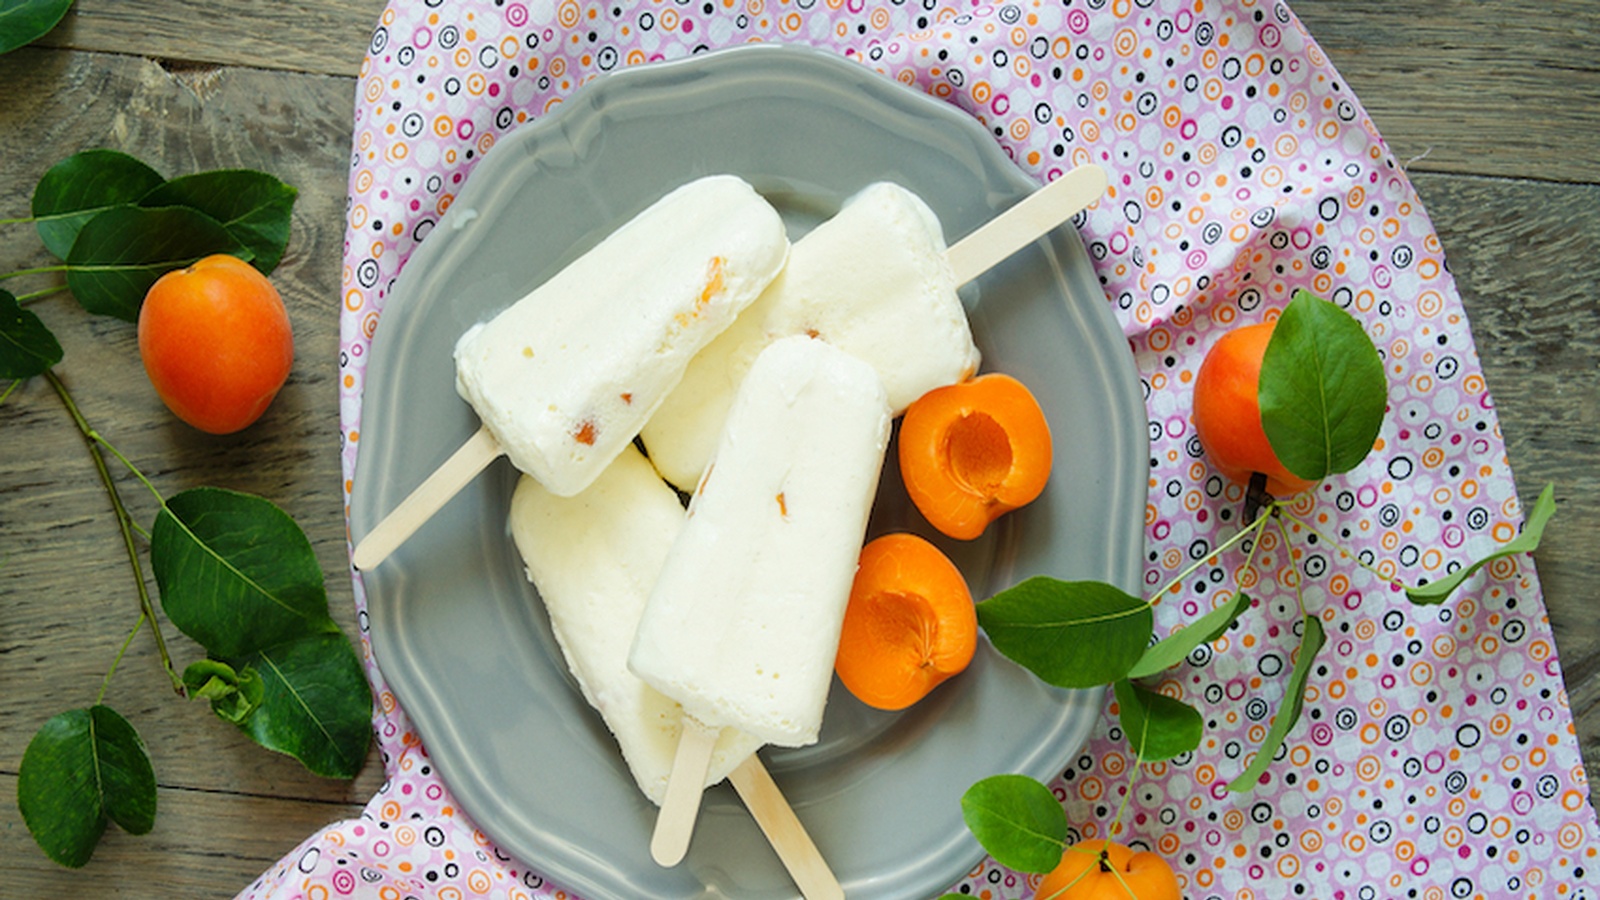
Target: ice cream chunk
(594, 558)
(743, 624)
(565, 377)
(873, 281)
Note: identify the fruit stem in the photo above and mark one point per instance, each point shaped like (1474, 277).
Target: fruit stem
(124, 521)
(1123, 882)
(1255, 496)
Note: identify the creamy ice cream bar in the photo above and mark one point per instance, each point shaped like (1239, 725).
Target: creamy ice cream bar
(565, 377)
(594, 558)
(873, 281)
(743, 623)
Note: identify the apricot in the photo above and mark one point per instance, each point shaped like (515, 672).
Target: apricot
(1227, 411)
(216, 342)
(910, 623)
(1104, 870)
(973, 451)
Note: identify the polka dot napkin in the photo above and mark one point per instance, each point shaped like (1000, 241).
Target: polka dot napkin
(1436, 756)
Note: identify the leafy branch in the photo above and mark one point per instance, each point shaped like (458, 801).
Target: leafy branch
(234, 572)
(1322, 415)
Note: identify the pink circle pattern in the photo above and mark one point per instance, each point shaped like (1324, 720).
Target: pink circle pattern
(1436, 756)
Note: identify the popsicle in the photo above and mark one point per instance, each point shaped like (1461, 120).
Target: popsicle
(563, 379)
(875, 280)
(594, 558)
(743, 623)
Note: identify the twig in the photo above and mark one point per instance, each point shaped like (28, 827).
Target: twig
(124, 521)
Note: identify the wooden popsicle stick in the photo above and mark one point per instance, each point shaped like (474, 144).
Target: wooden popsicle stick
(680, 806)
(784, 831)
(1035, 216)
(432, 494)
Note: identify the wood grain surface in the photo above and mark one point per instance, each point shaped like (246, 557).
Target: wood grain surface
(1493, 108)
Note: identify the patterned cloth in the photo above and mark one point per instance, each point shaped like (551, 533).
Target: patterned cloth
(1436, 756)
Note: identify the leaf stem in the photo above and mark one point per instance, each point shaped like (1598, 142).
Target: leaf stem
(10, 388)
(38, 270)
(1133, 777)
(1067, 888)
(1190, 570)
(1294, 570)
(23, 221)
(106, 682)
(124, 521)
(35, 296)
(1395, 582)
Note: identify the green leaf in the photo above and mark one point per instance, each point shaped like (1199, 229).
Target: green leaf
(236, 573)
(315, 703)
(1172, 649)
(253, 206)
(1311, 642)
(233, 695)
(121, 252)
(82, 186)
(27, 348)
(1018, 821)
(1322, 390)
(1157, 726)
(25, 21)
(1437, 592)
(84, 767)
(1072, 634)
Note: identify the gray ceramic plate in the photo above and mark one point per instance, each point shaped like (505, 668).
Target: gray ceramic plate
(462, 638)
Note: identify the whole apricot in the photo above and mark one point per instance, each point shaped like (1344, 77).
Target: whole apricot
(1103, 870)
(1227, 411)
(216, 343)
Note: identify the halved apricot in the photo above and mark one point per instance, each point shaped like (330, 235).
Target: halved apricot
(973, 451)
(910, 623)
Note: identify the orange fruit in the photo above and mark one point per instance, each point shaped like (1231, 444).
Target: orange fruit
(1227, 411)
(216, 343)
(973, 451)
(1102, 870)
(910, 623)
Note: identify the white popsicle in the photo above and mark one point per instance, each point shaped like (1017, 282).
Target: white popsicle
(594, 558)
(743, 623)
(566, 377)
(563, 379)
(872, 281)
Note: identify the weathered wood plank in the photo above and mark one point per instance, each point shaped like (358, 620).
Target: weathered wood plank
(203, 845)
(294, 35)
(66, 592)
(1504, 88)
(1526, 257)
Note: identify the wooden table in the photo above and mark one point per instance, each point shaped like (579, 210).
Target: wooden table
(1492, 107)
